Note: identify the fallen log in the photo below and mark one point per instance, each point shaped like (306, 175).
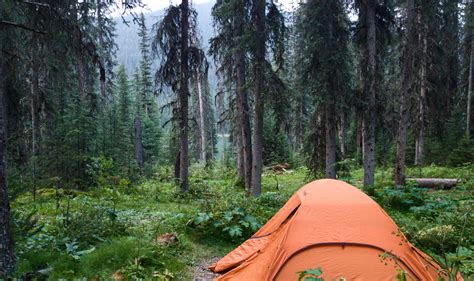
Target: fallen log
(436, 183)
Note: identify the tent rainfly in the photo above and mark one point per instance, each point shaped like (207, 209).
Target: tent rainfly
(331, 225)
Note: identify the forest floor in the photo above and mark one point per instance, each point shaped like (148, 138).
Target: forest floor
(121, 230)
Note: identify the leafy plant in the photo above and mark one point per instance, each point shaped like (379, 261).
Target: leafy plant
(310, 275)
(234, 224)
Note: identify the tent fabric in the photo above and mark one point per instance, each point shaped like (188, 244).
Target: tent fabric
(332, 225)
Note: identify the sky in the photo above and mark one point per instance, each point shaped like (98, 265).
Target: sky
(154, 5)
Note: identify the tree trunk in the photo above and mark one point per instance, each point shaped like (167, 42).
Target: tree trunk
(420, 138)
(330, 141)
(183, 98)
(7, 256)
(368, 122)
(342, 135)
(79, 56)
(35, 108)
(220, 100)
(469, 88)
(406, 88)
(359, 149)
(201, 125)
(299, 134)
(138, 143)
(239, 149)
(242, 103)
(102, 86)
(259, 22)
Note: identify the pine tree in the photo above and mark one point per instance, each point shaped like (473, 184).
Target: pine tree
(230, 49)
(146, 85)
(327, 72)
(406, 89)
(172, 42)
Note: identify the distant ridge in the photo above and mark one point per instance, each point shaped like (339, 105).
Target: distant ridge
(127, 38)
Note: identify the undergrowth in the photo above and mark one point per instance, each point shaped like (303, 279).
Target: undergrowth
(117, 229)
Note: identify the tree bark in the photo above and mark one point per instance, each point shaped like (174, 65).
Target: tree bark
(330, 141)
(239, 150)
(420, 138)
(220, 100)
(342, 134)
(35, 108)
(469, 88)
(242, 102)
(102, 86)
(436, 183)
(259, 22)
(368, 121)
(79, 57)
(406, 88)
(183, 98)
(7, 256)
(201, 125)
(138, 143)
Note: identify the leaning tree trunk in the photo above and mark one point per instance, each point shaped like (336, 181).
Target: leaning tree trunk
(7, 256)
(368, 121)
(242, 103)
(330, 141)
(138, 143)
(259, 22)
(183, 98)
(406, 88)
(420, 138)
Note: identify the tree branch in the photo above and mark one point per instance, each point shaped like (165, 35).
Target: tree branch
(19, 25)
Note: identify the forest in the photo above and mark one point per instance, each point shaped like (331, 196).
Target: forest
(152, 163)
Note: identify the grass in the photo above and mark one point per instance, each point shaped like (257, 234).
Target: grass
(115, 229)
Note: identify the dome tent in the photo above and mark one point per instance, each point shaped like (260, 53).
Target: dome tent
(334, 226)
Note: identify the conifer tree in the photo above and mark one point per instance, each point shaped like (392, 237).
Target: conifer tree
(327, 70)
(172, 42)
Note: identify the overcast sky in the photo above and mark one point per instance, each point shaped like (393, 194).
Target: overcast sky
(154, 5)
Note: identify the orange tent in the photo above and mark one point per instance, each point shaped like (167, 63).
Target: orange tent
(334, 226)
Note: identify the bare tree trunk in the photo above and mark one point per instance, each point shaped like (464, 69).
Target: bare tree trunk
(220, 100)
(35, 108)
(102, 86)
(359, 149)
(7, 256)
(368, 121)
(299, 138)
(469, 90)
(406, 88)
(330, 141)
(242, 104)
(201, 125)
(342, 134)
(239, 149)
(259, 22)
(420, 140)
(79, 56)
(138, 143)
(183, 98)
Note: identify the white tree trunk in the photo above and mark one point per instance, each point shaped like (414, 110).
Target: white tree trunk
(202, 130)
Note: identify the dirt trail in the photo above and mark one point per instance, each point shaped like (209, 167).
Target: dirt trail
(201, 271)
